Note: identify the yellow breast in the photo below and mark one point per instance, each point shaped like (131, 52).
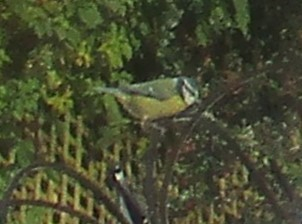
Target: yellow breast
(145, 108)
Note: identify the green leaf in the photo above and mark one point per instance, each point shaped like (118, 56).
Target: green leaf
(24, 152)
(121, 76)
(73, 36)
(19, 98)
(90, 15)
(34, 214)
(113, 109)
(3, 57)
(242, 15)
(61, 103)
(109, 136)
(116, 46)
(201, 34)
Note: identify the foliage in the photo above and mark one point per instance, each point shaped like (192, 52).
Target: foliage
(53, 53)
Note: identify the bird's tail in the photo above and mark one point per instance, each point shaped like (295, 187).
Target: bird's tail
(109, 90)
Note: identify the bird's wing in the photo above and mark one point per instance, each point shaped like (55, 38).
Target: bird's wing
(161, 89)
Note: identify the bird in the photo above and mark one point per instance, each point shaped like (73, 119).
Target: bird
(156, 99)
(129, 205)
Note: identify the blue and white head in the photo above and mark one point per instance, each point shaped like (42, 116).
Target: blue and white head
(189, 90)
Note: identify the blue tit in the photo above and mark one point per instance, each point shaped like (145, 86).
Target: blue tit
(156, 99)
(129, 204)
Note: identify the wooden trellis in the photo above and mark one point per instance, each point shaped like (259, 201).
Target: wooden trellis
(51, 186)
